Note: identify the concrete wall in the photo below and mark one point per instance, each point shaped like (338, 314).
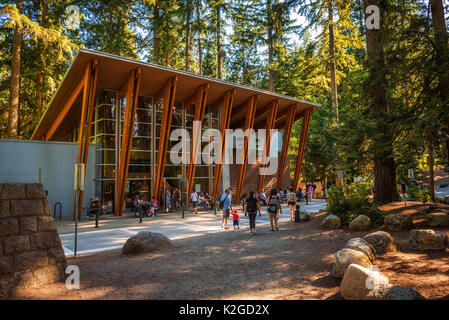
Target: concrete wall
(20, 161)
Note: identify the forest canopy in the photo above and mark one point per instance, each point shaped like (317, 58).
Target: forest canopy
(384, 93)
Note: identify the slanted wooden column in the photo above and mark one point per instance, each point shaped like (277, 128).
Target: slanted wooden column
(271, 120)
(301, 147)
(225, 118)
(167, 94)
(249, 122)
(89, 85)
(67, 106)
(285, 142)
(195, 144)
(132, 95)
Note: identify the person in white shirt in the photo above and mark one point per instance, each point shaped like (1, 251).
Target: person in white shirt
(194, 200)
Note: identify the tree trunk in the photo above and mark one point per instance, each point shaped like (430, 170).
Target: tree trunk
(40, 77)
(333, 63)
(218, 35)
(156, 33)
(270, 45)
(384, 165)
(14, 89)
(431, 163)
(200, 53)
(188, 14)
(442, 58)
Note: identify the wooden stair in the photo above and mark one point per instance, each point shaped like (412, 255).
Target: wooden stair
(252, 178)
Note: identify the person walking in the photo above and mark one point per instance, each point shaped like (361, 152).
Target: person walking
(251, 209)
(291, 200)
(225, 205)
(274, 207)
(404, 191)
(310, 191)
(194, 200)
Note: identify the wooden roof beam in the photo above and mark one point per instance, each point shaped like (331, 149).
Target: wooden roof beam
(261, 115)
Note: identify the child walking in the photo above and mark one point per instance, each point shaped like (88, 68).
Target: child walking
(235, 220)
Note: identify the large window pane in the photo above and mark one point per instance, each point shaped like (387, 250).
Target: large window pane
(136, 171)
(139, 157)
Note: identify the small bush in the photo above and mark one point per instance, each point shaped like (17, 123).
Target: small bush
(352, 202)
(418, 193)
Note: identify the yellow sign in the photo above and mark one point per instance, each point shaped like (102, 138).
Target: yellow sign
(79, 176)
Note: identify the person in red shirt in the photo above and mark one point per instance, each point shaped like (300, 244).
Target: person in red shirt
(235, 220)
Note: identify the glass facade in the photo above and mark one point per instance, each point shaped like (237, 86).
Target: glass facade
(108, 125)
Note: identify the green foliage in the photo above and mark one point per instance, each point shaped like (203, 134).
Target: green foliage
(155, 31)
(352, 202)
(418, 194)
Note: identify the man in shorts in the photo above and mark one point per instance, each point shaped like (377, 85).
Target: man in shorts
(227, 207)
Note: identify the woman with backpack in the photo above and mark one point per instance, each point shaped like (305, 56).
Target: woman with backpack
(251, 209)
(291, 200)
(274, 207)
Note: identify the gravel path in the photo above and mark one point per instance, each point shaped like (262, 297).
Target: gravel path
(292, 263)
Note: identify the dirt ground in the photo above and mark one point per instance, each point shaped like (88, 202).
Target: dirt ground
(441, 177)
(292, 263)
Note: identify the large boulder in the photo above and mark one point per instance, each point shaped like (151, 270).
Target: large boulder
(398, 222)
(345, 257)
(382, 241)
(446, 199)
(360, 223)
(361, 245)
(331, 222)
(146, 241)
(439, 199)
(390, 292)
(433, 206)
(427, 239)
(436, 207)
(358, 282)
(438, 219)
(304, 216)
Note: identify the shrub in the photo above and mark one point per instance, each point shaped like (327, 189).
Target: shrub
(352, 202)
(418, 194)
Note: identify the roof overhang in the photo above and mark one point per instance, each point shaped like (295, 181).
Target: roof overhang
(114, 71)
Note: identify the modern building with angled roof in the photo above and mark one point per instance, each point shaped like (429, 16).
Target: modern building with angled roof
(128, 109)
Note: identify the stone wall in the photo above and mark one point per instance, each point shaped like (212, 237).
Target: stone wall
(31, 253)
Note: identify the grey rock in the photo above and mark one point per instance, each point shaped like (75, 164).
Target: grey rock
(362, 246)
(146, 241)
(345, 257)
(359, 281)
(382, 241)
(361, 222)
(304, 216)
(438, 219)
(427, 239)
(390, 292)
(398, 222)
(331, 222)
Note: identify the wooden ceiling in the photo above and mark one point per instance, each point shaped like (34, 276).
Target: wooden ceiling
(114, 71)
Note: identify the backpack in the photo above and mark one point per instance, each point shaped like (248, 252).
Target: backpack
(273, 204)
(251, 204)
(221, 203)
